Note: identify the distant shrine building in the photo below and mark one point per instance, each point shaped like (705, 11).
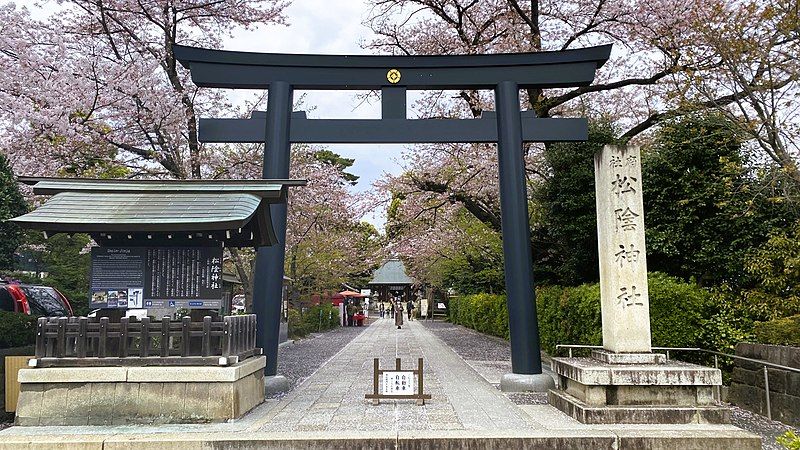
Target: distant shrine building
(391, 281)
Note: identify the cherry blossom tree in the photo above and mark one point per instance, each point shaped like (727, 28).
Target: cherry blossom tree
(96, 91)
(326, 244)
(668, 61)
(98, 82)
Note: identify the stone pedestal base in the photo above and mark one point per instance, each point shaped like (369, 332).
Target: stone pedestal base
(517, 382)
(139, 395)
(275, 384)
(596, 391)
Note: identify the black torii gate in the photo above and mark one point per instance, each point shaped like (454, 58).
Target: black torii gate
(278, 127)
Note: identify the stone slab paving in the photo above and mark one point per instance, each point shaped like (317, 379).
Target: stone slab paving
(333, 398)
(327, 409)
(488, 355)
(299, 359)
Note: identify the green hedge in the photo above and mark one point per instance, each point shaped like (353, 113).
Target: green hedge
(314, 319)
(784, 331)
(571, 315)
(16, 329)
(486, 313)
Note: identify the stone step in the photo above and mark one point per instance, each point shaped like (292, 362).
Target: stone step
(562, 439)
(635, 414)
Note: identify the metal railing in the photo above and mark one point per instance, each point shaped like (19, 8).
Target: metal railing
(716, 354)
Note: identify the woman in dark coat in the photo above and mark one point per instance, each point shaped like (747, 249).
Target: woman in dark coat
(398, 314)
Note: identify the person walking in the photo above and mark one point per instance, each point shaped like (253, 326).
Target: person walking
(351, 311)
(398, 314)
(410, 307)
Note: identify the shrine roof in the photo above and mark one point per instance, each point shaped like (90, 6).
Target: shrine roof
(158, 206)
(392, 272)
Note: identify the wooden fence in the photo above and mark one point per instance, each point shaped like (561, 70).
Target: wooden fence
(81, 342)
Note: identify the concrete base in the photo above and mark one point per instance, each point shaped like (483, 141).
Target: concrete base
(275, 384)
(517, 382)
(139, 395)
(608, 357)
(596, 391)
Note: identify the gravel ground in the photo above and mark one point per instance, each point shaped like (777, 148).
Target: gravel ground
(477, 348)
(754, 423)
(298, 360)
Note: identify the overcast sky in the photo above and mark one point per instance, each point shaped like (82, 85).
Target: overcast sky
(330, 27)
(327, 27)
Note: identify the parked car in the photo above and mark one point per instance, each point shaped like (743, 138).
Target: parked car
(34, 300)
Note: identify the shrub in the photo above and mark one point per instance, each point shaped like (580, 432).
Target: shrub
(571, 315)
(486, 313)
(16, 330)
(790, 440)
(784, 331)
(314, 319)
(295, 324)
(677, 311)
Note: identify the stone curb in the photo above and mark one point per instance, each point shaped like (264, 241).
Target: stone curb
(188, 374)
(566, 439)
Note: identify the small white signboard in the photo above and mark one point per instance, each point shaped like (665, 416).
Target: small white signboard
(135, 296)
(398, 383)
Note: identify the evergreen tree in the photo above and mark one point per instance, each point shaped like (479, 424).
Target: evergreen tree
(704, 207)
(565, 237)
(12, 204)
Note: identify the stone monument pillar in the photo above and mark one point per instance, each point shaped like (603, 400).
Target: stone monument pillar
(625, 382)
(620, 238)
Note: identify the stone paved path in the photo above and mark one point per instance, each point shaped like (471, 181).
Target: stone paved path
(328, 409)
(333, 397)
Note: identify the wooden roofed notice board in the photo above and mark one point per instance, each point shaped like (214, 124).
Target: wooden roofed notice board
(156, 277)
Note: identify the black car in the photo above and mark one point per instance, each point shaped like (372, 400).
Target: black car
(34, 300)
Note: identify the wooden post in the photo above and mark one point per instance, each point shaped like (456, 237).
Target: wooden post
(164, 337)
(420, 399)
(397, 363)
(72, 336)
(61, 340)
(41, 325)
(226, 336)
(144, 338)
(80, 346)
(206, 346)
(376, 380)
(251, 333)
(123, 337)
(102, 339)
(186, 322)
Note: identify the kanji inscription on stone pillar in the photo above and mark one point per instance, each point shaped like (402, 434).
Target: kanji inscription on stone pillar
(620, 236)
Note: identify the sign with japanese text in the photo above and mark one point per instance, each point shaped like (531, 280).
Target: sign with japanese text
(621, 247)
(398, 383)
(156, 277)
